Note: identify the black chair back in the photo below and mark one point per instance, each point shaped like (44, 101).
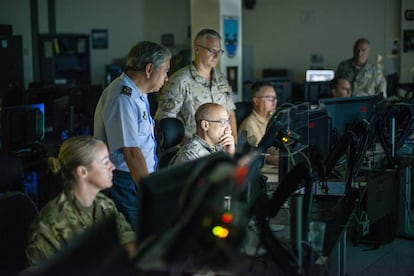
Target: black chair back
(169, 134)
(17, 212)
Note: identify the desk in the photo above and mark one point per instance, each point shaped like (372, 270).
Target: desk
(337, 220)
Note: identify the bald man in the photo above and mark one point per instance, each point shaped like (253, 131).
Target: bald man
(213, 134)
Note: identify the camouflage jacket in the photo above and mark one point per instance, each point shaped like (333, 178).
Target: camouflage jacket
(186, 90)
(63, 218)
(365, 80)
(193, 149)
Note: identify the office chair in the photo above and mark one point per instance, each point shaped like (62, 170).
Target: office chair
(243, 109)
(17, 211)
(169, 134)
(11, 172)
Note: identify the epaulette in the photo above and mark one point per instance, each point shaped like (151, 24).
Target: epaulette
(126, 90)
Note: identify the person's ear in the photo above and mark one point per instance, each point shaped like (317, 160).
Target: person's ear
(81, 171)
(204, 125)
(149, 68)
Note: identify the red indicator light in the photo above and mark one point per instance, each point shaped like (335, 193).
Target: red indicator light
(311, 124)
(227, 218)
(363, 109)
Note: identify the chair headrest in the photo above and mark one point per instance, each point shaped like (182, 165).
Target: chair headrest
(170, 132)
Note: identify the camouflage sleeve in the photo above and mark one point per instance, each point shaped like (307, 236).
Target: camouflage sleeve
(41, 244)
(225, 88)
(126, 234)
(171, 98)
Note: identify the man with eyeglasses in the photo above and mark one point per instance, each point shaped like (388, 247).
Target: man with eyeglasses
(196, 84)
(264, 99)
(213, 134)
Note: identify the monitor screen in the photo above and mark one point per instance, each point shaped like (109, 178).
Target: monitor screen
(22, 125)
(319, 75)
(316, 90)
(319, 129)
(159, 194)
(348, 110)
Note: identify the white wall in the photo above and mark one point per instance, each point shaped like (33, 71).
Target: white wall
(407, 61)
(127, 22)
(280, 33)
(17, 13)
(210, 14)
(285, 33)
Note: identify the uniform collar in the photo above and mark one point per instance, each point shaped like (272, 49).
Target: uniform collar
(206, 145)
(196, 76)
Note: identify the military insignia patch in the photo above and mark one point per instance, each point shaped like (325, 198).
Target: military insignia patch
(126, 90)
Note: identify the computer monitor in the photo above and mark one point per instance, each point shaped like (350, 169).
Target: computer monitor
(22, 125)
(96, 251)
(319, 75)
(159, 194)
(316, 90)
(293, 136)
(319, 133)
(348, 110)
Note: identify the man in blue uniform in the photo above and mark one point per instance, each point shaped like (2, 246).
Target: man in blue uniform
(122, 119)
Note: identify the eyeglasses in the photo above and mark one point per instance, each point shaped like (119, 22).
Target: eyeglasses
(269, 98)
(212, 51)
(222, 123)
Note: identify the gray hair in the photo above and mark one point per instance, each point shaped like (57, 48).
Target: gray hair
(144, 53)
(204, 33)
(361, 41)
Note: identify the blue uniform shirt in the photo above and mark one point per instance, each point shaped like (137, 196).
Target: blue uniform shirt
(123, 119)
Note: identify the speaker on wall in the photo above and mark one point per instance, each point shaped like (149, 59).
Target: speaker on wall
(249, 4)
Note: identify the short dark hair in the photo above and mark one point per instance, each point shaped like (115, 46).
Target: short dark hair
(335, 81)
(258, 85)
(146, 52)
(207, 32)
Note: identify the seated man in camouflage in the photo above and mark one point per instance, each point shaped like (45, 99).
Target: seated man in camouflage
(213, 134)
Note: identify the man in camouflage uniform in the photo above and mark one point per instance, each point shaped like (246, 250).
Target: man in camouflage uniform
(196, 84)
(366, 78)
(213, 134)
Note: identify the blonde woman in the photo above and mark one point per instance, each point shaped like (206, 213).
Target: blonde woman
(85, 169)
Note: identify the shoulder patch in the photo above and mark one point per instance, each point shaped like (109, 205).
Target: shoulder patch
(126, 90)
